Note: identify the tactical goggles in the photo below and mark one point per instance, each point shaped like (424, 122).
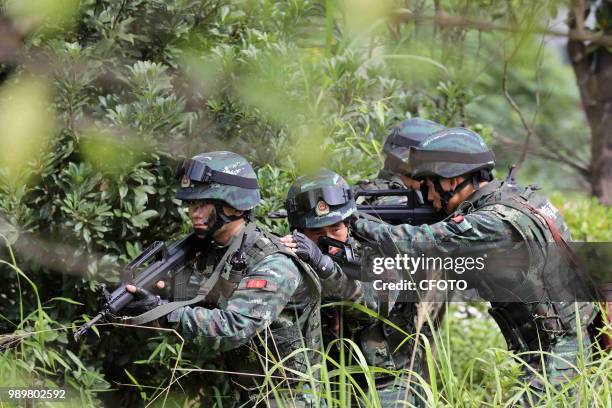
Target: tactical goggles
(306, 201)
(396, 162)
(395, 140)
(200, 173)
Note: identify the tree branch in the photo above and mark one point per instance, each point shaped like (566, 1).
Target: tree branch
(519, 112)
(549, 154)
(466, 22)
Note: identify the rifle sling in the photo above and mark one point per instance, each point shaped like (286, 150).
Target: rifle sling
(205, 288)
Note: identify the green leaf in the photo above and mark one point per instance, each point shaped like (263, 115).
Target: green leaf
(75, 360)
(134, 381)
(67, 300)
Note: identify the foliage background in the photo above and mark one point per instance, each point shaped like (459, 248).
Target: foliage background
(101, 98)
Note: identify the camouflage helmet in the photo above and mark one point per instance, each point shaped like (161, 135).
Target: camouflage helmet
(318, 200)
(219, 176)
(404, 135)
(449, 153)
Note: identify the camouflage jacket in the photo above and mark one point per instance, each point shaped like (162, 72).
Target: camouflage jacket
(273, 292)
(379, 342)
(528, 283)
(494, 221)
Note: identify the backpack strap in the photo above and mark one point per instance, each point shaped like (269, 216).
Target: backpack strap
(205, 287)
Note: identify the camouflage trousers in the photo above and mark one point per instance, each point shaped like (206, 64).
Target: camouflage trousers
(297, 397)
(394, 393)
(557, 369)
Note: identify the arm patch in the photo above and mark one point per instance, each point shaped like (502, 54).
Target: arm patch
(461, 223)
(258, 283)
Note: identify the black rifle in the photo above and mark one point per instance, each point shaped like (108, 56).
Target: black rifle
(346, 258)
(414, 211)
(165, 259)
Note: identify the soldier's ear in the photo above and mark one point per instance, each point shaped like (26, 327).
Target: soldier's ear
(231, 211)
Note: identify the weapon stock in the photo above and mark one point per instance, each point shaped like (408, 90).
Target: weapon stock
(165, 262)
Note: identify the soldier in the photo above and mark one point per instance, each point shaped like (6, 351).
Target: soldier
(394, 177)
(534, 312)
(403, 135)
(318, 206)
(249, 293)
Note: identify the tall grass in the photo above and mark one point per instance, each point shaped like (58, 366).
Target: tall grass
(470, 367)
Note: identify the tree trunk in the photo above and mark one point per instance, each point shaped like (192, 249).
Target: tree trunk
(593, 71)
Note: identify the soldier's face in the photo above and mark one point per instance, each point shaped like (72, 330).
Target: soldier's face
(202, 215)
(338, 231)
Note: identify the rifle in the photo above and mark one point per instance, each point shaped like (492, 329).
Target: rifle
(347, 259)
(414, 211)
(165, 261)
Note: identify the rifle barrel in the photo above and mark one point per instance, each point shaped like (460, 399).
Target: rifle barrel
(84, 328)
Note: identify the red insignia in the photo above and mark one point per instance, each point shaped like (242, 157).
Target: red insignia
(256, 283)
(322, 208)
(457, 219)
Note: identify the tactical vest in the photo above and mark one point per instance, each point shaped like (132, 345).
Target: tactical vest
(537, 323)
(384, 340)
(381, 344)
(298, 325)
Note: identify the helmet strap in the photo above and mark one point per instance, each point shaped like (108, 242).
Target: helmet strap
(446, 196)
(221, 219)
(475, 182)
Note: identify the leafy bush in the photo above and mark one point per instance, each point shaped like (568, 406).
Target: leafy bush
(588, 220)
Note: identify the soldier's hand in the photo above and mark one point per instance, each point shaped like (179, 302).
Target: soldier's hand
(311, 253)
(143, 300)
(288, 241)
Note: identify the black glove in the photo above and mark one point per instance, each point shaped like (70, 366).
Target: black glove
(311, 254)
(143, 302)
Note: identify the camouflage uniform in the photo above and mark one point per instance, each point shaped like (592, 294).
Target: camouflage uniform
(260, 315)
(410, 132)
(533, 311)
(377, 340)
(265, 304)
